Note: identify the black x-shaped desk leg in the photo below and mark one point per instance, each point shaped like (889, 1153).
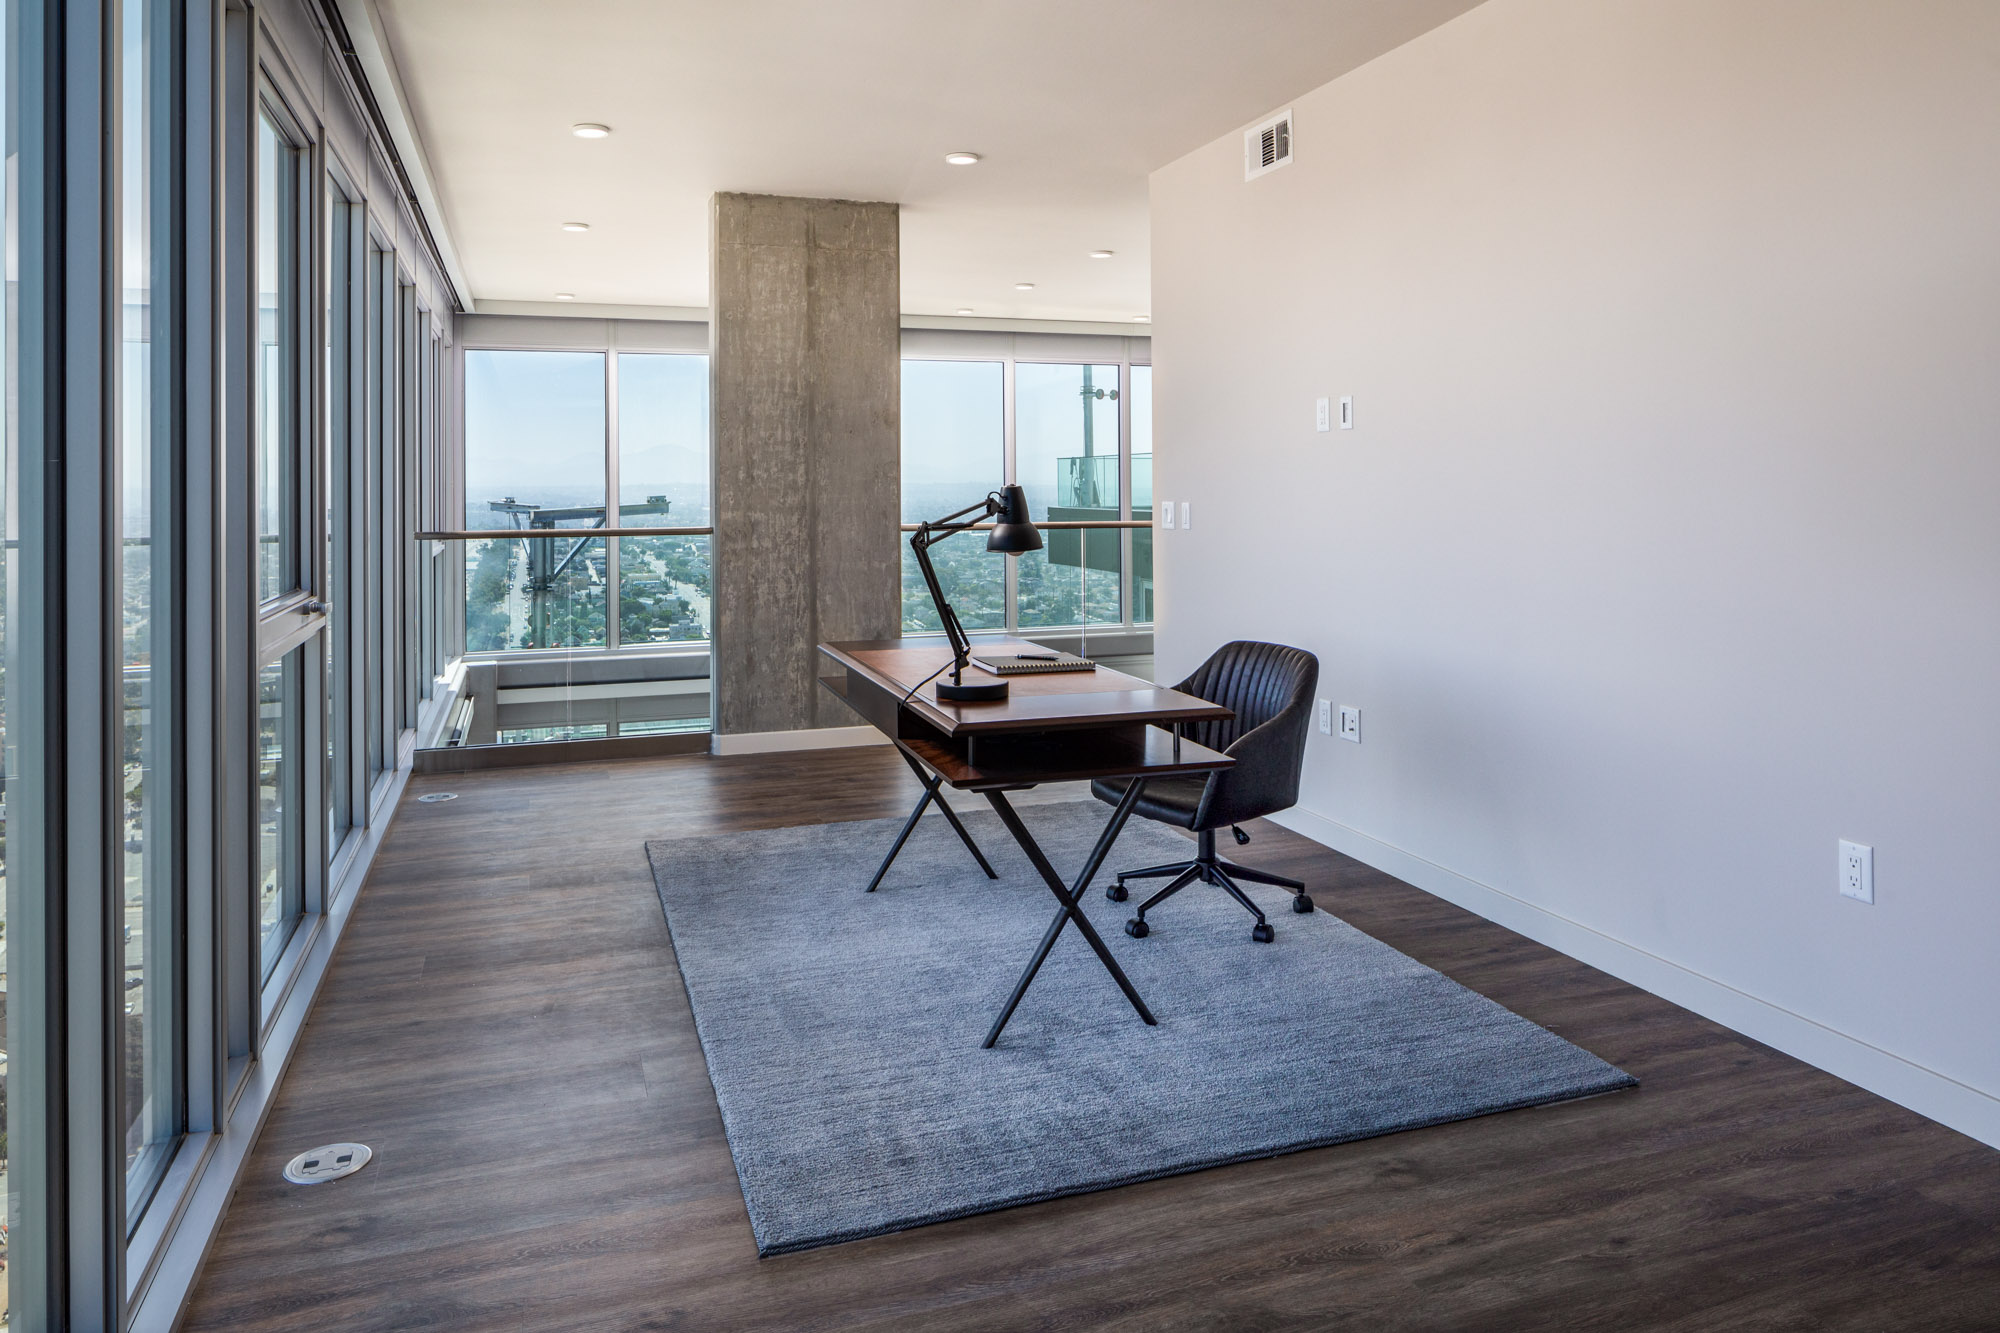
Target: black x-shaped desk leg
(931, 793)
(1068, 897)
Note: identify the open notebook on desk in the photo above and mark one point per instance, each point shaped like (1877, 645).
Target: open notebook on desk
(1030, 663)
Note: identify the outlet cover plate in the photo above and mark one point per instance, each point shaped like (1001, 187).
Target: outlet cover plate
(1857, 871)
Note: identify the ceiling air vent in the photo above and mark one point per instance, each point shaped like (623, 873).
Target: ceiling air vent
(1268, 146)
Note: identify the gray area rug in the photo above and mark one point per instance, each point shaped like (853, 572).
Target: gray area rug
(842, 1028)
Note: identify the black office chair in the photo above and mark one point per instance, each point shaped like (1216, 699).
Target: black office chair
(1270, 688)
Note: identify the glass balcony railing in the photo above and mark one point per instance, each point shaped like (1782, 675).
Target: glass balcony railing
(579, 632)
(1086, 492)
(1088, 483)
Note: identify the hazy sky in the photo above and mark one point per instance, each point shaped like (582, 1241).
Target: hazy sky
(534, 425)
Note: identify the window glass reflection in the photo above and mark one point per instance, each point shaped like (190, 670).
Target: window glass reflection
(19, 575)
(954, 452)
(1066, 459)
(146, 525)
(663, 582)
(1142, 493)
(280, 805)
(277, 266)
(534, 461)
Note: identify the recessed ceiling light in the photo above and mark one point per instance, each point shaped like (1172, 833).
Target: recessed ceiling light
(576, 226)
(1024, 286)
(1100, 254)
(565, 296)
(1142, 319)
(961, 159)
(965, 310)
(587, 130)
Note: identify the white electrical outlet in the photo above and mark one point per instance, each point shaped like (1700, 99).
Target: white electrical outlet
(1350, 724)
(1323, 417)
(1187, 517)
(1167, 515)
(1325, 718)
(1857, 871)
(1347, 414)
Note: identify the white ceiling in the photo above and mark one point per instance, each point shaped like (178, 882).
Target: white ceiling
(1072, 102)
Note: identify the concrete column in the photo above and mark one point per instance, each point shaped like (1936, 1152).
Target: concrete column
(806, 400)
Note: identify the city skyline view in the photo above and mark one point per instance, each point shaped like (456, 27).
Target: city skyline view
(537, 438)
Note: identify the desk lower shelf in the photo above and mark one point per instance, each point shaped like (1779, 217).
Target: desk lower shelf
(1068, 756)
(1096, 736)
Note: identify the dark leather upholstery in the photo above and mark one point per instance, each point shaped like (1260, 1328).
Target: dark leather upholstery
(1270, 687)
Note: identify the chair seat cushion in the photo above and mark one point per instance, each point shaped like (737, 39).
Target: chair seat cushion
(1166, 800)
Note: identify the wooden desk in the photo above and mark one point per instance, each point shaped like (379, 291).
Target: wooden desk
(1055, 727)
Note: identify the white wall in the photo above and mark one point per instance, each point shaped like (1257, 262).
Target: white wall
(1666, 550)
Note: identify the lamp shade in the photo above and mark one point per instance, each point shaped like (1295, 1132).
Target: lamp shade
(1012, 532)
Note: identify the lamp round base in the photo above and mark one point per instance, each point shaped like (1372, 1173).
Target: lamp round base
(972, 694)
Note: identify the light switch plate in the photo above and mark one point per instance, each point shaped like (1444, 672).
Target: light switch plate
(1167, 515)
(1187, 517)
(1323, 415)
(1347, 414)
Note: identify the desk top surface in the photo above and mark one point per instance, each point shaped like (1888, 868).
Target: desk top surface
(1050, 701)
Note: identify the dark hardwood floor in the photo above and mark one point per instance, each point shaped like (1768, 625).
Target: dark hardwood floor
(505, 1026)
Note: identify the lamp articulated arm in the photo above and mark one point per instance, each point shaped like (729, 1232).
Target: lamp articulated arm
(1013, 532)
(920, 543)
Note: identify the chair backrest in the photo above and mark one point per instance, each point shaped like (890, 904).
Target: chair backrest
(1257, 680)
(1261, 682)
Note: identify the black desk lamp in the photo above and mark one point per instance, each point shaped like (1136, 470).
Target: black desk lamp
(1012, 534)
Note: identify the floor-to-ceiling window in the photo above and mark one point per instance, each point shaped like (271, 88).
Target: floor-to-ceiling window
(149, 519)
(1076, 435)
(1067, 457)
(410, 341)
(593, 637)
(535, 461)
(954, 452)
(384, 489)
(662, 458)
(346, 483)
(179, 490)
(21, 760)
(374, 402)
(287, 561)
(1140, 566)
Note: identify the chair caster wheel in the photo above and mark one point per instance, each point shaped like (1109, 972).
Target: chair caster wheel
(1262, 932)
(1242, 838)
(1137, 928)
(1116, 892)
(1302, 904)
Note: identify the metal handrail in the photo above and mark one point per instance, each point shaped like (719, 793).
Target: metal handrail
(1064, 525)
(550, 534)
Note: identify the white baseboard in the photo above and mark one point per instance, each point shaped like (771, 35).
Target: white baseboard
(1925, 1091)
(812, 738)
